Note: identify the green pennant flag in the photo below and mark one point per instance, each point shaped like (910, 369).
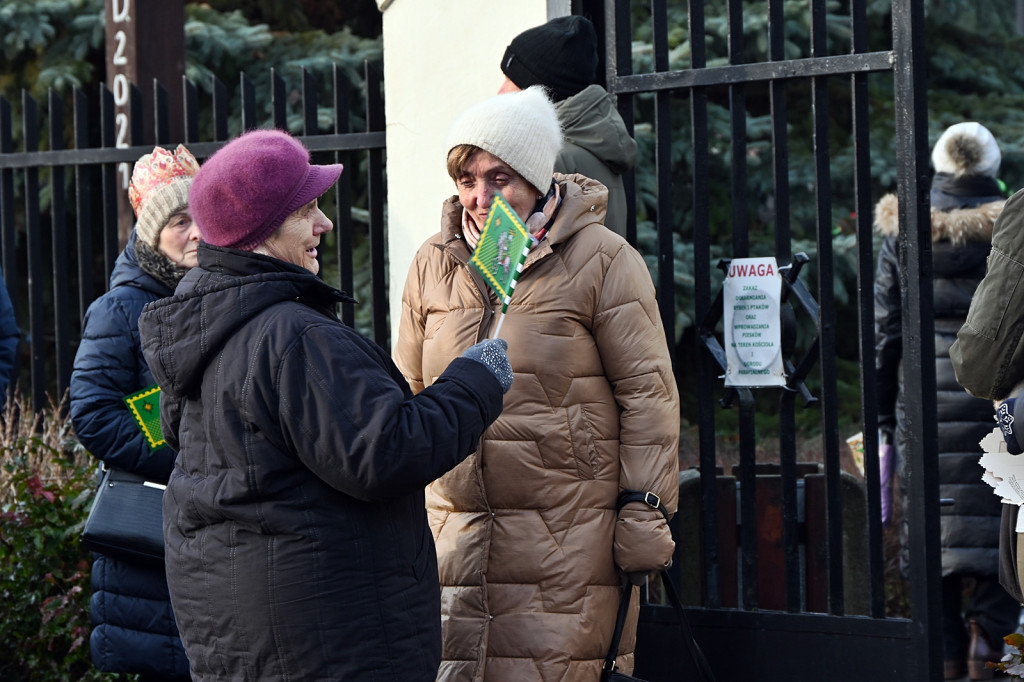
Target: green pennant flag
(145, 407)
(499, 255)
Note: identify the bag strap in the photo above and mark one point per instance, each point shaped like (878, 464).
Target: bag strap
(648, 498)
(620, 622)
(704, 672)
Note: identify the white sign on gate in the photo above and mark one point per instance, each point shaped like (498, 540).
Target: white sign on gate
(753, 337)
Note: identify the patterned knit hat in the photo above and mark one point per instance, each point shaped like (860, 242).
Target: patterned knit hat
(520, 128)
(159, 189)
(560, 55)
(244, 192)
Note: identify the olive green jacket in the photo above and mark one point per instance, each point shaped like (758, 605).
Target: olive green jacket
(598, 146)
(988, 355)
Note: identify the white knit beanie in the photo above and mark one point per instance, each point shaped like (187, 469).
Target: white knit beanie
(520, 128)
(967, 148)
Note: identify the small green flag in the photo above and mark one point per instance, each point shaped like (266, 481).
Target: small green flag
(504, 244)
(145, 407)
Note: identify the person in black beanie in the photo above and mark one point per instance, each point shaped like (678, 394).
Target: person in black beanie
(966, 200)
(561, 55)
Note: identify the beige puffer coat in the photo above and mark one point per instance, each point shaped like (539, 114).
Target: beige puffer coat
(526, 529)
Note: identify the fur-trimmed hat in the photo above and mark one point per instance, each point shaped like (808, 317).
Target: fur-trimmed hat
(967, 148)
(520, 128)
(159, 189)
(247, 188)
(560, 55)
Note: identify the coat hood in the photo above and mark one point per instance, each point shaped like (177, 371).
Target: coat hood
(958, 225)
(181, 334)
(590, 120)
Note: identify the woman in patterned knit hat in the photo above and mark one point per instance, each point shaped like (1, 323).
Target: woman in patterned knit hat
(133, 626)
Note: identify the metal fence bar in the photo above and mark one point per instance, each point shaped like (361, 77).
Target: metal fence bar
(161, 113)
(826, 303)
(83, 207)
(663, 162)
(220, 110)
(34, 246)
(343, 216)
(108, 183)
(865, 305)
(375, 191)
(784, 255)
(59, 251)
(918, 328)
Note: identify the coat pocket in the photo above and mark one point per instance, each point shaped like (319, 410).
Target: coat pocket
(994, 295)
(584, 445)
(985, 355)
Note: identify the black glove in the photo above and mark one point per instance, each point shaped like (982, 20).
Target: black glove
(1011, 411)
(491, 354)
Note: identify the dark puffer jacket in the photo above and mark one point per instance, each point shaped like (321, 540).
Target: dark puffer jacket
(133, 625)
(296, 531)
(961, 240)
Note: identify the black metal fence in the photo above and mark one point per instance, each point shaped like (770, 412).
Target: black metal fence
(59, 233)
(784, 567)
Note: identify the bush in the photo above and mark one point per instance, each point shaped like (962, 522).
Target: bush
(47, 482)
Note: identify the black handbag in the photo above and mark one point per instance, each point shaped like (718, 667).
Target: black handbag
(126, 519)
(608, 673)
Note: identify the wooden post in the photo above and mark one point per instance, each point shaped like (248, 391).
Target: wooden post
(144, 41)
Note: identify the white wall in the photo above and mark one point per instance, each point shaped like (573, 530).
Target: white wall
(440, 57)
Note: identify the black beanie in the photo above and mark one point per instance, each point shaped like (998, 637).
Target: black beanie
(561, 55)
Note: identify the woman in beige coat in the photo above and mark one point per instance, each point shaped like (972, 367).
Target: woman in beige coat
(530, 545)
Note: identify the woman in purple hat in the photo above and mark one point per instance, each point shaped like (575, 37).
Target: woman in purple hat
(297, 539)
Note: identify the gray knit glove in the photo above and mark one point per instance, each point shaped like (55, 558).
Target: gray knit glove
(491, 353)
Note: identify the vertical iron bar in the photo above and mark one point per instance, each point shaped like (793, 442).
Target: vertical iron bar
(741, 249)
(220, 110)
(619, 62)
(375, 199)
(248, 93)
(343, 218)
(738, 118)
(83, 206)
(784, 254)
(663, 169)
(865, 300)
(59, 251)
(278, 101)
(909, 78)
(826, 303)
(161, 113)
(109, 185)
(309, 122)
(136, 119)
(34, 246)
(190, 102)
(702, 305)
(8, 230)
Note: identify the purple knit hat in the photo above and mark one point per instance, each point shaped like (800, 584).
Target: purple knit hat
(246, 189)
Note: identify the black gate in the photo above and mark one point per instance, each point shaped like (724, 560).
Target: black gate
(782, 560)
(59, 195)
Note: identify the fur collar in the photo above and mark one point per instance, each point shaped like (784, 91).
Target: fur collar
(958, 226)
